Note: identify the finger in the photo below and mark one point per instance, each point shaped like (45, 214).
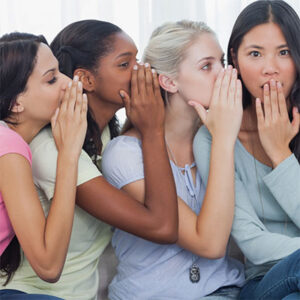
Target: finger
(274, 99)
(73, 94)
(84, 106)
(141, 83)
(281, 99)
(126, 101)
(79, 99)
(64, 102)
(296, 120)
(155, 83)
(134, 86)
(217, 88)
(148, 76)
(225, 85)
(200, 110)
(54, 118)
(259, 113)
(239, 93)
(232, 88)
(267, 105)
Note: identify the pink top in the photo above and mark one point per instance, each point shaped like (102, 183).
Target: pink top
(10, 142)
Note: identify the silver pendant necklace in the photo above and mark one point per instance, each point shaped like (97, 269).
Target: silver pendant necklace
(194, 270)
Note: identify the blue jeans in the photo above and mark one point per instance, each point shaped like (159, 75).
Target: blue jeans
(18, 295)
(282, 281)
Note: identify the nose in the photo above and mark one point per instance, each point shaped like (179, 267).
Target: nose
(64, 80)
(270, 67)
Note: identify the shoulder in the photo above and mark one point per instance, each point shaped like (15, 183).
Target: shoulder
(12, 142)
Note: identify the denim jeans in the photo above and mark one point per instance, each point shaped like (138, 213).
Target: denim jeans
(282, 281)
(18, 295)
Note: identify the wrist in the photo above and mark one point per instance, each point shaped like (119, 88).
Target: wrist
(153, 134)
(279, 157)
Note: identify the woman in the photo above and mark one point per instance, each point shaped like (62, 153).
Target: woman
(264, 47)
(188, 59)
(31, 89)
(103, 57)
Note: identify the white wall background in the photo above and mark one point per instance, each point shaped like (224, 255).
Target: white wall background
(136, 17)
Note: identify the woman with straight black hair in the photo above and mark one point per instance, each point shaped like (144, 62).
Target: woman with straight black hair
(31, 89)
(265, 48)
(104, 58)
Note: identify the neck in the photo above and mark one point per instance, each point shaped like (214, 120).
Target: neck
(27, 130)
(102, 111)
(181, 122)
(249, 121)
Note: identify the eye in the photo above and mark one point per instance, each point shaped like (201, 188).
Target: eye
(206, 67)
(53, 80)
(284, 52)
(255, 53)
(124, 64)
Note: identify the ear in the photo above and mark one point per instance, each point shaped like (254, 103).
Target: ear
(87, 78)
(167, 83)
(234, 59)
(17, 107)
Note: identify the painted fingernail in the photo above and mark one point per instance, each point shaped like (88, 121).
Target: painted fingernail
(234, 71)
(147, 65)
(141, 63)
(153, 71)
(76, 78)
(80, 84)
(272, 82)
(70, 84)
(135, 67)
(229, 67)
(279, 84)
(122, 94)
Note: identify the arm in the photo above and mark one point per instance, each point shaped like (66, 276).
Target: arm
(45, 240)
(283, 182)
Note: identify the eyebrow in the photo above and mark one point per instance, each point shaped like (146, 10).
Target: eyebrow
(259, 47)
(209, 58)
(51, 70)
(124, 54)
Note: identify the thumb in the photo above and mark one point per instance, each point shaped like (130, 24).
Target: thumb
(296, 120)
(54, 118)
(126, 101)
(200, 110)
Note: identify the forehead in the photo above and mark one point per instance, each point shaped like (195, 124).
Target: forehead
(123, 43)
(205, 45)
(264, 34)
(45, 60)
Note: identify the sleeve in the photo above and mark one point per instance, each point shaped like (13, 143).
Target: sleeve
(44, 161)
(284, 184)
(247, 229)
(122, 161)
(256, 242)
(11, 142)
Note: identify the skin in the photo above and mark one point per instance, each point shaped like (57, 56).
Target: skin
(45, 240)
(268, 72)
(201, 85)
(157, 218)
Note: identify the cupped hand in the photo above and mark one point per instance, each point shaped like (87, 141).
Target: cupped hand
(145, 107)
(69, 123)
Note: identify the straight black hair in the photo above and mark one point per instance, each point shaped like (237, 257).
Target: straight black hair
(282, 14)
(82, 45)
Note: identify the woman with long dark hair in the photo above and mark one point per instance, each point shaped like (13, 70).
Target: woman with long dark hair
(32, 90)
(265, 48)
(104, 58)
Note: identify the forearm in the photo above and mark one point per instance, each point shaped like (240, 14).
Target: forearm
(215, 219)
(160, 191)
(58, 226)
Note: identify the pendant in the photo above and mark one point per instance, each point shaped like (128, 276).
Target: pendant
(194, 274)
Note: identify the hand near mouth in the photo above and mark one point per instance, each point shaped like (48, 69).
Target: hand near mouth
(274, 127)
